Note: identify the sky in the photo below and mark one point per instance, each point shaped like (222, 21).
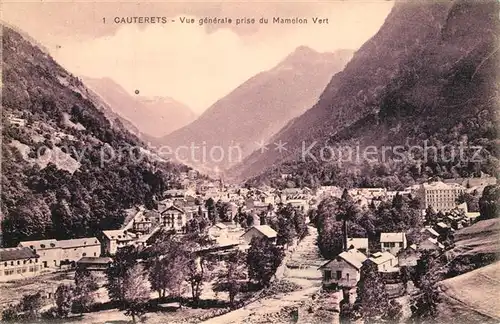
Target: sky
(196, 65)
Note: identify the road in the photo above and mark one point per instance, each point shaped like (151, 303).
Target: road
(302, 269)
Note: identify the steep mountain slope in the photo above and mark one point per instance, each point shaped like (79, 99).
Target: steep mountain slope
(428, 74)
(259, 107)
(155, 116)
(67, 171)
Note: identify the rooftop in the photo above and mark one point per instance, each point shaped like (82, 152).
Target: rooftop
(17, 253)
(41, 244)
(441, 185)
(392, 237)
(264, 229)
(430, 230)
(358, 243)
(67, 244)
(95, 260)
(352, 256)
(117, 235)
(381, 257)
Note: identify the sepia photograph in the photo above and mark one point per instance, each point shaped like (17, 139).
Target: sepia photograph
(230, 161)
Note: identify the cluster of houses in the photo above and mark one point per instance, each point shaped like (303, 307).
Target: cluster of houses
(179, 206)
(393, 250)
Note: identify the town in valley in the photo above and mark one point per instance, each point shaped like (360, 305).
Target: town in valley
(106, 218)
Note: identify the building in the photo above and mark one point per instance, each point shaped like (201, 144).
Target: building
(173, 218)
(441, 196)
(482, 181)
(93, 263)
(385, 261)
(53, 253)
(259, 231)
(300, 204)
(218, 230)
(430, 244)
(112, 240)
(344, 270)
(174, 193)
(360, 244)
(409, 256)
(18, 263)
(428, 232)
(73, 250)
(48, 251)
(392, 242)
(20, 122)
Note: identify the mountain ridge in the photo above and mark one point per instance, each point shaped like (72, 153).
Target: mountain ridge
(409, 76)
(259, 107)
(153, 116)
(68, 171)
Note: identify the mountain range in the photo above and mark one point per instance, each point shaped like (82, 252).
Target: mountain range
(429, 74)
(259, 107)
(70, 167)
(153, 116)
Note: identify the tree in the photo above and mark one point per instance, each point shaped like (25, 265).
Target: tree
(136, 291)
(329, 230)
(286, 229)
(405, 276)
(347, 210)
(167, 270)
(471, 199)
(212, 215)
(223, 211)
(394, 312)
(489, 203)
(125, 259)
(230, 279)
(85, 286)
(263, 259)
(372, 298)
(31, 305)
(424, 304)
(198, 272)
(63, 296)
(299, 220)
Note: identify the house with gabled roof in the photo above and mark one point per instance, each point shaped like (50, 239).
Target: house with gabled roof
(18, 263)
(385, 261)
(409, 256)
(393, 242)
(218, 230)
(74, 249)
(259, 231)
(344, 270)
(49, 252)
(112, 240)
(430, 244)
(173, 218)
(428, 232)
(360, 244)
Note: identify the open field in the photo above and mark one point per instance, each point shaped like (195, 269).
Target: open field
(12, 292)
(473, 297)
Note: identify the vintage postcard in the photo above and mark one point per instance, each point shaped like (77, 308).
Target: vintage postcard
(254, 162)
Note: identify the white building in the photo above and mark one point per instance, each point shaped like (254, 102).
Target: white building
(385, 261)
(441, 196)
(259, 231)
(344, 270)
(393, 242)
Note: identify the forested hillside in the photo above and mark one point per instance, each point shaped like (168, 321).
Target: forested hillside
(428, 76)
(69, 171)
